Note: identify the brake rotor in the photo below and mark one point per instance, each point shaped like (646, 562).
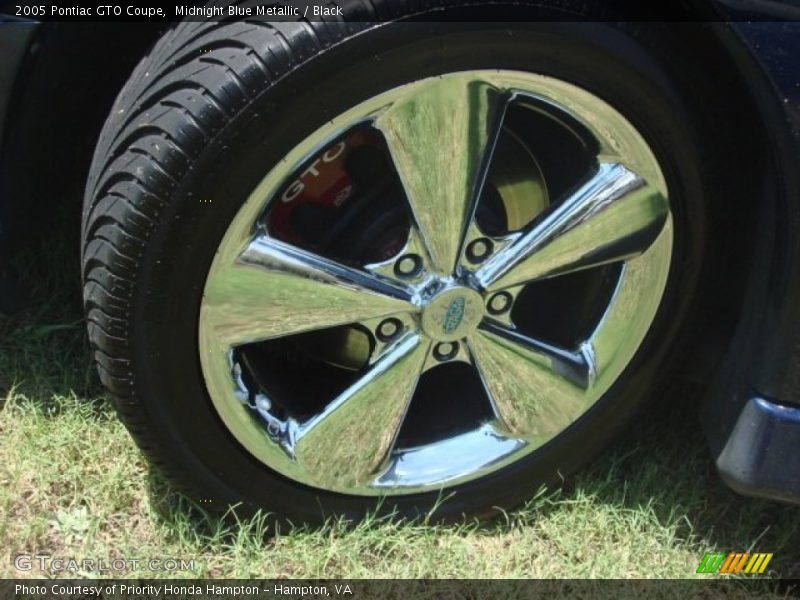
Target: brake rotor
(518, 181)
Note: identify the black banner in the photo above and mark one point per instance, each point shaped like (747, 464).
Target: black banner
(358, 589)
(153, 11)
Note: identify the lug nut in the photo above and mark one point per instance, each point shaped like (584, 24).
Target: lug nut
(408, 265)
(479, 250)
(388, 329)
(445, 350)
(499, 303)
(263, 403)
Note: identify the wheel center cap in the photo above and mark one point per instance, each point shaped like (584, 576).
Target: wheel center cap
(452, 313)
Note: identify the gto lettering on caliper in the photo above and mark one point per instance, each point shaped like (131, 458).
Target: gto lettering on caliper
(298, 185)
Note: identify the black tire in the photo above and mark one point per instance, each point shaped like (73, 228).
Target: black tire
(206, 113)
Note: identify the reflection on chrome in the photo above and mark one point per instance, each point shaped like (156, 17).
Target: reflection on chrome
(441, 134)
(440, 138)
(272, 289)
(347, 442)
(476, 452)
(614, 216)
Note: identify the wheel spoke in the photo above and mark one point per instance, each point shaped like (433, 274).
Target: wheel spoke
(441, 138)
(630, 311)
(273, 289)
(536, 389)
(616, 215)
(351, 439)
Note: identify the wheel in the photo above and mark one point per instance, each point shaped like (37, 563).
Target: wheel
(331, 267)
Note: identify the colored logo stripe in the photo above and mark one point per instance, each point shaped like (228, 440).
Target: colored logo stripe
(719, 562)
(734, 562)
(711, 562)
(758, 562)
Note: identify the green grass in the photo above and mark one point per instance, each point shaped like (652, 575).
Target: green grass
(73, 484)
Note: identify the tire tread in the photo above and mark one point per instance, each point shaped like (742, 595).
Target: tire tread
(195, 79)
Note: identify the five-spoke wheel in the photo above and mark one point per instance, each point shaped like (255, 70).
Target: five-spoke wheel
(455, 288)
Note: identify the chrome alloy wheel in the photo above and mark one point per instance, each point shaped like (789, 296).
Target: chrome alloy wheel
(448, 294)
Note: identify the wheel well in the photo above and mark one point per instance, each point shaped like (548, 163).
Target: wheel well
(61, 97)
(727, 95)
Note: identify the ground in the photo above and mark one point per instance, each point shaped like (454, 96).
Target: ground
(73, 484)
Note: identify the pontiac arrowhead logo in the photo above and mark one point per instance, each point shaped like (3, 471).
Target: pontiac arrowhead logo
(454, 315)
